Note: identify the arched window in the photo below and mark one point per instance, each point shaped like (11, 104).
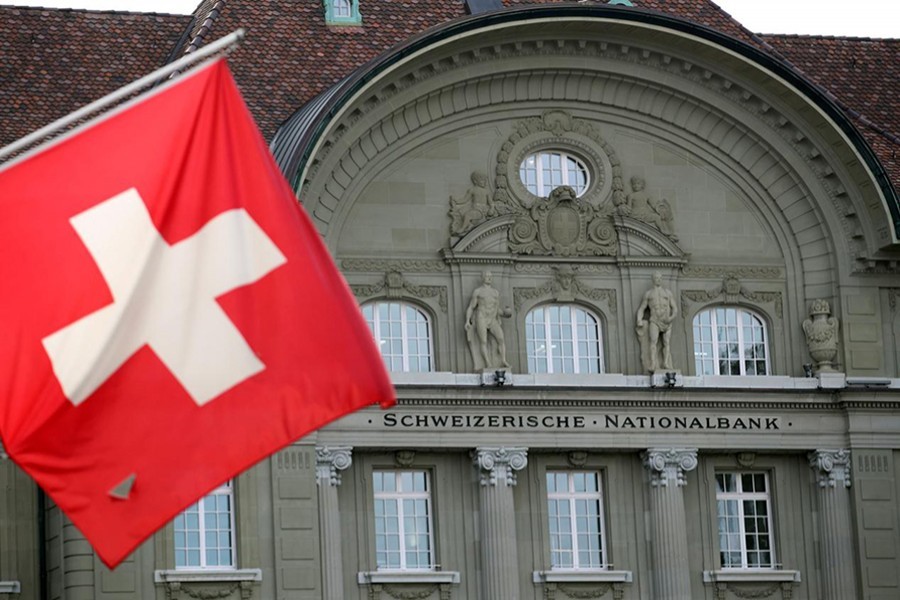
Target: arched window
(342, 9)
(562, 338)
(542, 172)
(403, 335)
(730, 341)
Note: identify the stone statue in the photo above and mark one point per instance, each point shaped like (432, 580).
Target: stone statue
(483, 326)
(473, 208)
(821, 335)
(639, 205)
(655, 332)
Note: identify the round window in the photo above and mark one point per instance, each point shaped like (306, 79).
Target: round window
(544, 171)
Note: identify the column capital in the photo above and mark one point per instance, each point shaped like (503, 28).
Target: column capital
(330, 460)
(667, 464)
(494, 462)
(830, 467)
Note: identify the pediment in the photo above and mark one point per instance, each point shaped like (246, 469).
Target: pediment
(637, 238)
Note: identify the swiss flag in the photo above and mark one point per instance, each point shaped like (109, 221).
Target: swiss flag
(169, 315)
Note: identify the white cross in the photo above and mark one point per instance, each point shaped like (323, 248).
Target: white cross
(164, 296)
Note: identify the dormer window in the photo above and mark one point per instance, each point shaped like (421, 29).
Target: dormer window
(342, 12)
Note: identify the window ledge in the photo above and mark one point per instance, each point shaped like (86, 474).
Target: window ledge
(10, 587)
(206, 576)
(750, 576)
(581, 576)
(367, 577)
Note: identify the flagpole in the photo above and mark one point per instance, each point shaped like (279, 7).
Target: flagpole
(224, 44)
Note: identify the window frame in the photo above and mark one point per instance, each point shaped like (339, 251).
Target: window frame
(226, 490)
(376, 324)
(573, 496)
(332, 18)
(540, 171)
(739, 497)
(742, 345)
(531, 340)
(399, 496)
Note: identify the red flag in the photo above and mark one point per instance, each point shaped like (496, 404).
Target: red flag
(169, 314)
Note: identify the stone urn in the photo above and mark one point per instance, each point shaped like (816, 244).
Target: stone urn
(821, 335)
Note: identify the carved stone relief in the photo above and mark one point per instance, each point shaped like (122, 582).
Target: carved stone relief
(755, 591)
(821, 335)
(641, 206)
(565, 287)
(494, 464)
(474, 208)
(559, 591)
(394, 285)
(564, 225)
(731, 291)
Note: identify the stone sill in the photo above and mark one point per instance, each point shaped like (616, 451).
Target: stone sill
(206, 575)
(376, 577)
(750, 576)
(10, 587)
(581, 576)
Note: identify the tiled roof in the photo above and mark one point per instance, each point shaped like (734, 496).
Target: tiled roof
(863, 76)
(54, 61)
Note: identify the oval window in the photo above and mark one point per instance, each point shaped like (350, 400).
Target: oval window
(544, 171)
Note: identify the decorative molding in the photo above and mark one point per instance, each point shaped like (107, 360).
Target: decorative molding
(387, 581)
(546, 267)
(731, 290)
(563, 225)
(723, 272)
(564, 287)
(559, 129)
(292, 458)
(745, 460)
(752, 585)
(330, 460)
(492, 462)
(179, 584)
(404, 458)
(893, 295)
(394, 285)
(778, 124)
(577, 458)
(667, 464)
(830, 467)
(384, 265)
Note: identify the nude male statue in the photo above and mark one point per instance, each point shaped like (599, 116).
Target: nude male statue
(474, 207)
(483, 316)
(661, 304)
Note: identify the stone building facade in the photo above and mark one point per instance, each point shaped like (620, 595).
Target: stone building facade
(636, 280)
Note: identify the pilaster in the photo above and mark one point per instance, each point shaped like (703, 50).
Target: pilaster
(497, 474)
(330, 461)
(671, 570)
(838, 569)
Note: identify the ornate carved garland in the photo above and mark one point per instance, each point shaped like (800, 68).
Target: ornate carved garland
(565, 287)
(395, 286)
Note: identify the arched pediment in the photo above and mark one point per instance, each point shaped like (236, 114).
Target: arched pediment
(728, 113)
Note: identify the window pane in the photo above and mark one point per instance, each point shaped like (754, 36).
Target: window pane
(403, 335)
(574, 513)
(403, 520)
(729, 341)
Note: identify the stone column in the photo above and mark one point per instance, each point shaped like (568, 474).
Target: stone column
(497, 472)
(329, 461)
(838, 568)
(668, 527)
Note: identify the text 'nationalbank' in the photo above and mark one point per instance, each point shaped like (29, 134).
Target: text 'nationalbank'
(464, 421)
